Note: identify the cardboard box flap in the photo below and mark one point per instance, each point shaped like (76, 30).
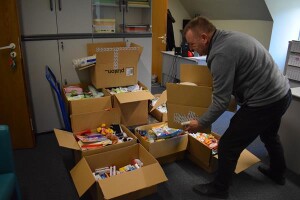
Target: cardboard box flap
(162, 99)
(82, 177)
(107, 48)
(126, 56)
(125, 183)
(200, 75)
(134, 96)
(66, 139)
(91, 47)
(246, 160)
(198, 96)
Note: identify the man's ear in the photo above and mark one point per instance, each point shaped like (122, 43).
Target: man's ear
(204, 37)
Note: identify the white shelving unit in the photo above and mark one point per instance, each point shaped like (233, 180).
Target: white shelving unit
(292, 64)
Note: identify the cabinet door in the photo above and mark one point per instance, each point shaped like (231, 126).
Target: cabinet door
(107, 15)
(144, 65)
(137, 17)
(46, 110)
(116, 16)
(37, 17)
(74, 16)
(69, 50)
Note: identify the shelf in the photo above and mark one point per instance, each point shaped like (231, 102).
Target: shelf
(106, 4)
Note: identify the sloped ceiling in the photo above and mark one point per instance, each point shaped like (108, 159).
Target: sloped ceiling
(228, 9)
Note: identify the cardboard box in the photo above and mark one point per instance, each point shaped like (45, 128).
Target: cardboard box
(201, 76)
(129, 185)
(165, 150)
(91, 121)
(133, 106)
(186, 102)
(116, 64)
(191, 98)
(201, 155)
(88, 104)
(157, 114)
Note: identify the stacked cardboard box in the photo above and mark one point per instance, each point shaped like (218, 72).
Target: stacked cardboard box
(117, 66)
(189, 100)
(87, 105)
(133, 106)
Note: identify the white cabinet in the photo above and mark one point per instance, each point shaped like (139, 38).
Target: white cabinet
(44, 105)
(68, 50)
(38, 54)
(292, 63)
(54, 32)
(121, 16)
(40, 17)
(50, 29)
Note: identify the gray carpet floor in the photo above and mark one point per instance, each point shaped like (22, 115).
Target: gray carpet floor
(43, 174)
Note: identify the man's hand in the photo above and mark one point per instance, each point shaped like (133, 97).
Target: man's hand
(193, 126)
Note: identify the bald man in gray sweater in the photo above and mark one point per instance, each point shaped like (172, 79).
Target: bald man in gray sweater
(242, 67)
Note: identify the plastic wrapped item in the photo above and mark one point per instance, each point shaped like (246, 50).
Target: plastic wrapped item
(163, 132)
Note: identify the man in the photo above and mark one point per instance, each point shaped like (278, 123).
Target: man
(240, 66)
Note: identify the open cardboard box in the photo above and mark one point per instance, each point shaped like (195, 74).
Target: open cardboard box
(167, 150)
(91, 121)
(129, 185)
(116, 64)
(158, 115)
(133, 106)
(88, 104)
(191, 98)
(201, 155)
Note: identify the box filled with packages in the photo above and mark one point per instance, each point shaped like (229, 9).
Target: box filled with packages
(116, 64)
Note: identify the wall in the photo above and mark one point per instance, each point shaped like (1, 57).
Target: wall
(286, 27)
(261, 30)
(179, 13)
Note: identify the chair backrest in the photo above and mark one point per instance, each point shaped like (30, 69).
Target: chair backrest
(6, 152)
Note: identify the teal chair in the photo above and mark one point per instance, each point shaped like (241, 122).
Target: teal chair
(9, 188)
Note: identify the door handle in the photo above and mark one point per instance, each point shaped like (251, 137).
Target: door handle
(59, 5)
(10, 46)
(13, 55)
(51, 5)
(163, 39)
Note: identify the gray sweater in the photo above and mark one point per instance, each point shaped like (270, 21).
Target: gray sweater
(241, 66)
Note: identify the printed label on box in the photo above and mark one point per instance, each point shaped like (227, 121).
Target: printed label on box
(179, 118)
(115, 71)
(129, 71)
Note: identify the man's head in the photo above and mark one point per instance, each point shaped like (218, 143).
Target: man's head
(198, 33)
